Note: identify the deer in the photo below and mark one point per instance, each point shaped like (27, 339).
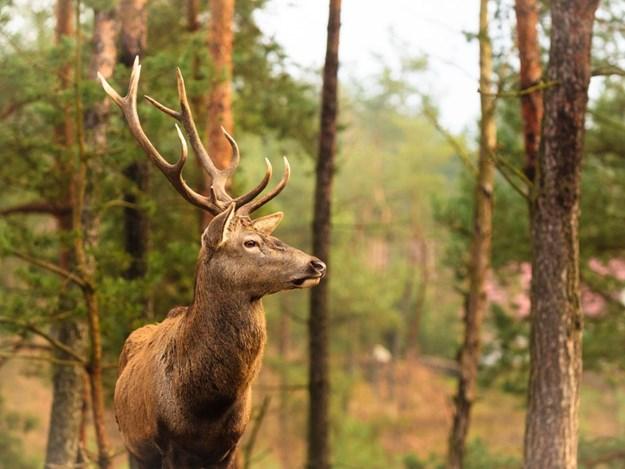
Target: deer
(183, 392)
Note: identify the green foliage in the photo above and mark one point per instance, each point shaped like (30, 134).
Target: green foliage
(12, 452)
(506, 356)
(356, 445)
(478, 456)
(606, 453)
(399, 186)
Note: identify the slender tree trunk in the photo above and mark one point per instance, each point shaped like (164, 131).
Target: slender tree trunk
(219, 105)
(67, 392)
(86, 224)
(198, 101)
(414, 320)
(318, 456)
(67, 397)
(551, 430)
(476, 306)
(133, 15)
(133, 40)
(284, 338)
(103, 60)
(530, 75)
(193, 12)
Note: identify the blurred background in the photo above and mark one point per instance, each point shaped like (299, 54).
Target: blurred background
(408, 136)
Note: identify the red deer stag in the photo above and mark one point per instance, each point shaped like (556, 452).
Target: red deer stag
(183, 394)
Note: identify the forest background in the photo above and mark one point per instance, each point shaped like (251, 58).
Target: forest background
(402, 226)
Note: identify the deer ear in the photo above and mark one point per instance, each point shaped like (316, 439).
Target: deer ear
(268, 223)
(218, 230)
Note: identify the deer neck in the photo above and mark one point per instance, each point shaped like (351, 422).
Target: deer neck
(219, 347)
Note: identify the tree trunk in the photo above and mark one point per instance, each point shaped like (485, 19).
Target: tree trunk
(476, 305)
(219, 106)
(193, 12)
(86, 224)
(318, 456)
(414, 320)
(530, 75)
(133, 40)
(284, 418)
(103, 60)
(555, 340)
(67, 388)
(198, 101)
(67, 397)
(133, 15)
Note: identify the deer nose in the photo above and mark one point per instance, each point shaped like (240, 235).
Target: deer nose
(318, 266)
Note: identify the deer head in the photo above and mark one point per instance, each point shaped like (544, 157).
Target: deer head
(238, 253)
(242, 255)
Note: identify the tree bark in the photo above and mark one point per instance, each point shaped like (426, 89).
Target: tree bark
(67, 387)
(414, 320)
(198, 101)
(476, 305)
(67, 397)
(284, 336)
(133, 42)
(219, 105)
(103, 59)
(133, 15)
(551, 430)
(530, 75)
(318, 456)
(193, 12)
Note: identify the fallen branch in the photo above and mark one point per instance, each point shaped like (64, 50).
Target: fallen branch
(258, 420)
(609, 457)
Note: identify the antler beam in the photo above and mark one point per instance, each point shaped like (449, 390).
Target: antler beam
(219, 199)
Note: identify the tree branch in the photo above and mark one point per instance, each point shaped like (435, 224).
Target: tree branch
(453, 141)
(258, 420)
(607, 70)
(13, 349)
(51, 267)
(500, 163)
(51, 340)
(520, 93)
(36, 208)
(56, 361)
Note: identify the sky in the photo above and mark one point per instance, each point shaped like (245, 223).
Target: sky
(382, 31)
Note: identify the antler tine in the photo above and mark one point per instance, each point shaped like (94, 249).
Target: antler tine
(236, 157)
(164, 109)
(185, 117)
(254, 205)
(219, 177)
(246, 198)
(173, 172)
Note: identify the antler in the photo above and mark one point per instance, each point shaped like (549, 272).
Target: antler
(219, 198)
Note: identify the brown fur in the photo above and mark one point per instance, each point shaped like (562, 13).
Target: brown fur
(183, 395)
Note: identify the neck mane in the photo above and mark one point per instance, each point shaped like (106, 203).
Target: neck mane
(218, 347)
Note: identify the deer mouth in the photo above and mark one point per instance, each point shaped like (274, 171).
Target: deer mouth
(306, 282)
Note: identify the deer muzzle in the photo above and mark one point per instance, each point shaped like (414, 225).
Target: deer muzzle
(316, 271)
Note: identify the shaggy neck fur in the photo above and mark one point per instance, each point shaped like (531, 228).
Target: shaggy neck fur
(219, 347)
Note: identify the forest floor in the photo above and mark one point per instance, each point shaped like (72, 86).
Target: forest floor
(406, 411)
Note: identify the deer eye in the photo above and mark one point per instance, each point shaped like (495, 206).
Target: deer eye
(250, 243)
